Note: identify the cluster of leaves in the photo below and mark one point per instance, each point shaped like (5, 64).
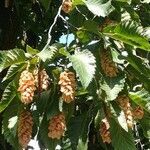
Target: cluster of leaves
(96, 25)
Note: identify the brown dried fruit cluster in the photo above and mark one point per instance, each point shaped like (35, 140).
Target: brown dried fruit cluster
(25, 124)
(104, 131)
(57, 126)
(26, 87)
(107, 64)
(67, 86)
(126, 107)
(67, 6)
(41, 79)
(138, 113)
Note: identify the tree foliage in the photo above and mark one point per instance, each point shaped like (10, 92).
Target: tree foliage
(105, 45)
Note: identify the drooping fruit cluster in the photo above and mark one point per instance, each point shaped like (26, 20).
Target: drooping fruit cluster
(138, 112)
(26, 87)
(67, 86)
(107, 64)
(25, 124)
(104, 131)
(67, 6)
(41, 79)
(126, 107)
(57, 126)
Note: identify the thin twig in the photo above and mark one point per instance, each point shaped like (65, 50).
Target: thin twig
(81, 13)
(53, 24)
(65, 21)
(67, 36)
(138, 136)
(51, 27)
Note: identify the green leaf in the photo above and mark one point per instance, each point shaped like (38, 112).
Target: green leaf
(123, 0)
(99, 7)
(99, 116)
(49, 53)
(77, 2)
(141, 98)
(36, 120)
(121, 140)
(116, 56)
(64, 52)
(145, 123)
(145, 1)
(122, 121)
(10, 125)
(133, 14)
(43, 136)
(9, 136)
(2, 58)
(54, 108)
(142, 79)
(138, 64)
(119, 115)
(112, 87)
(128, 1)
(42, 101)
(66, 143)
(128, 32)
(81, 91)
(83, 139)
(83, 36)
(76, 18)
(8, 95)
(14, 69)
(82, 145)
(46, 3)
(31, 50)
(84, 64)
(53, 102)
(91, 26)
(11, 57)
(80, 124)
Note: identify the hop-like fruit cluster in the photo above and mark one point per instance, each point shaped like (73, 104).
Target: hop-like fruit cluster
(25, 124)
(41, 79)
(104, 131)
(67, 6)
(26, 87)
(107, 64)
(126, 107)
(67, 86)
(138, 113)
(57, 126)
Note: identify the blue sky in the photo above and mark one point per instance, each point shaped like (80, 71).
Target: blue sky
(62, 39)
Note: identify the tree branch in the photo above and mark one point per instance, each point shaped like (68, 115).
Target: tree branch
(51, 27)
